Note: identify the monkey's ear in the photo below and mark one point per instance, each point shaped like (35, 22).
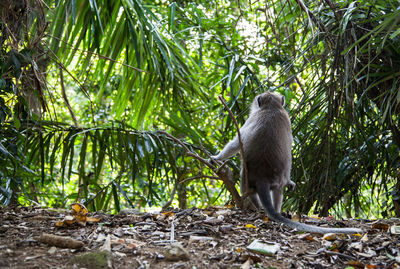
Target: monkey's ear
(258, 101)
(283, 100)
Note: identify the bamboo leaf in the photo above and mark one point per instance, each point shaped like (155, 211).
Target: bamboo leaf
(171, 15)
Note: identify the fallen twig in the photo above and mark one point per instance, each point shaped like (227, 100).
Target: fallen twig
(60, 241)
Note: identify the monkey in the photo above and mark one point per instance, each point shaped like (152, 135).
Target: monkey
(267, 144)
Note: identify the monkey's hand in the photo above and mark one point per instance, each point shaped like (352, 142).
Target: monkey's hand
(215, 159)
(291, 185)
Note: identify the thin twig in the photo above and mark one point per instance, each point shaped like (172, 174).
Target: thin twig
(188, 152)
(98, 55)
(240, 142)
(64, 95)
(333, 253)
(167, 204)
(197, 177)
(60, 64)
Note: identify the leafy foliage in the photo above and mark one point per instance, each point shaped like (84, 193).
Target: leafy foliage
(84, 83)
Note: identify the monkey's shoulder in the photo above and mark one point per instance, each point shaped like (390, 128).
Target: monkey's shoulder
(268, 118)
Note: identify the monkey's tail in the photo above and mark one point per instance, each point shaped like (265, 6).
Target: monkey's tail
(263, 191)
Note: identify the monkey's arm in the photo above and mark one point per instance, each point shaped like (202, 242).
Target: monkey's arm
(233, 146)
(229, 150)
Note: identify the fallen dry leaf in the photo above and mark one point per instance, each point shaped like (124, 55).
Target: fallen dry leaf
(250, 226)
(357, 264)
(306, 236)
(380, 226)
(79, 216)
(140, 240)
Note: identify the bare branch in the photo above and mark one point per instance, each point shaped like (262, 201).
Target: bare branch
(64, 95)
(223, 173)
(240, 141)
(197, 177)
(96, 54)
(167, 204)
(189, 152)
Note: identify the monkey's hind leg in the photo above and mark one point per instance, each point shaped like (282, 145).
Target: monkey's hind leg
(252, 201)
(256, 201)
(277, 197)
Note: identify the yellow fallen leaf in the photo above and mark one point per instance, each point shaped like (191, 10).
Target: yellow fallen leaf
(59, 224)
(250, 226)
(78, 209)
(330, 236)
(80, 212)
(91, 219)
(168, 213)
(81, 218)
(308, 237)
(356, 264)
(359, 235)
(333, 236)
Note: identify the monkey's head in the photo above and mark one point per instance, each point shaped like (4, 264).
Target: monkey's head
(268, 100)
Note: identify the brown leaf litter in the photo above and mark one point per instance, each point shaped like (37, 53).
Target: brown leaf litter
(216, 237)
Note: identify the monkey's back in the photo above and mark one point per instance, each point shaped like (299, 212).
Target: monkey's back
(268, 153)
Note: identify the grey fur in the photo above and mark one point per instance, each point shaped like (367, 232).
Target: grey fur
(267, 142)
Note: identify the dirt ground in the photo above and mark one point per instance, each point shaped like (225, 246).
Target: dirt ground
(208, 238)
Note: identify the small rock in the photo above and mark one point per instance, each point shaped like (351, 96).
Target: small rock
(52, 250)
(176, 252)
(357, 246)
(98, 259)
(223, 212)
(213, 221)
(226, 228)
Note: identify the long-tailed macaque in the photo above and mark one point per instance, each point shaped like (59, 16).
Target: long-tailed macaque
(267, 142)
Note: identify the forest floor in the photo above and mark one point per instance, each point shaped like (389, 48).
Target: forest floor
(209, 238)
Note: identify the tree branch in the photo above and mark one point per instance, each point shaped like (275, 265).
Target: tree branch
(223, 173)
(64, 95)
(240, 143)
(197, 177)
